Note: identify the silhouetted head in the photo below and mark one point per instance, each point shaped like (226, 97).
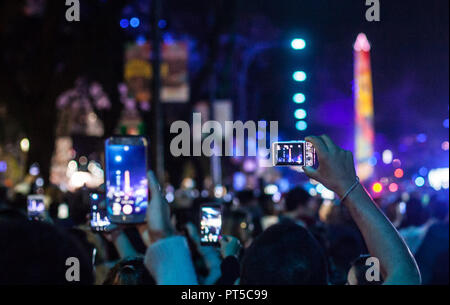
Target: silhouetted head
(37, 252)
(284, 254)
(296, 198)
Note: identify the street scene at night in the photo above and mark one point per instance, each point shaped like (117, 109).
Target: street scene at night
(224, 143)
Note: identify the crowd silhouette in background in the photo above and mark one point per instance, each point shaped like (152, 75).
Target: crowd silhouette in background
(287, 243)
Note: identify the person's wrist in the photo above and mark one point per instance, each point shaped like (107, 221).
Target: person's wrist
(355, 192)
(344, 186)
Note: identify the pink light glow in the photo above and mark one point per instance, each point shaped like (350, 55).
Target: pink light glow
(361, 44)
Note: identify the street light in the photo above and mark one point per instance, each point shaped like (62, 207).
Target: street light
(299, 76)
(25, 145)
(298, 44)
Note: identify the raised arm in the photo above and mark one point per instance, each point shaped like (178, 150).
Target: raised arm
(168, 257)
(336, 171)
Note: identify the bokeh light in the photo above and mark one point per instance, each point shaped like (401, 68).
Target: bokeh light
(301, 125)
(398, 173)
(396, 163)
(377, 187)
(419, 181)
(134, 22)
(298, 44)
(299, 76)
(387, 156)
(393, 187)
(124, 23)
(299, 98)
(300, 114)
(25, 145)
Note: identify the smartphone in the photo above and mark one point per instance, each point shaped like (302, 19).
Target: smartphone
(293, 153)
(127, 193)
(210, 224)
(99, 220)
(36, 207)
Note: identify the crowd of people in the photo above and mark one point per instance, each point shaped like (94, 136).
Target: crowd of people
(292, 242)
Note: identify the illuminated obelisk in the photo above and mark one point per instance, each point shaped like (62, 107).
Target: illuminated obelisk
(364, 128)
(127, 187)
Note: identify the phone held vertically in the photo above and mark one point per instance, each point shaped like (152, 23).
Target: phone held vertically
(36, 207)
(210, 224)
(99, 220)
(293, 153)
(127, 193)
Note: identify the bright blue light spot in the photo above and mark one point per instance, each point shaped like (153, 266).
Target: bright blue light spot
(124, 23)
(162, 24)
(421, 138)
(299, 98)
(94, 196)
(301, 125)
(373, 161)
(118, 158)
(445, 123)
(300, 114)
(299, 76)
(420, 181)
(298, 44)
(134, 22)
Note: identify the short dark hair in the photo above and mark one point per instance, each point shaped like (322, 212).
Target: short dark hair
(284, 254)
(36, 253)
(296, 197)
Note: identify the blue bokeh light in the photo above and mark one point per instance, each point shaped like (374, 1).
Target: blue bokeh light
(421, 138)
(300, 114)
(124, 23)
(134, 22)
(299, 76)
(301, 125)
(298, 44)
(299, 98)
(420, 181)
(162, 24)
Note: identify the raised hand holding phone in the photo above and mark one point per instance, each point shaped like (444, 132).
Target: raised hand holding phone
(337, 172)
(336, 169)
(210, 224)
(229, 246)
(158, 212)
(126, 182)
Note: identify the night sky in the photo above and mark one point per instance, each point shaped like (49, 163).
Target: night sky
(409, 62)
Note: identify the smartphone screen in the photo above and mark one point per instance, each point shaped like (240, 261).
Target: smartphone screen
(36, 207)
(289, 153)
(126, 179)
(99, 219)
(210, 225)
